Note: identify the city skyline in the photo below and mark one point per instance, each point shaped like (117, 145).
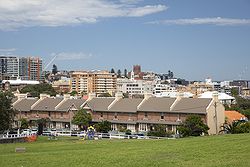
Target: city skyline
(193, 39)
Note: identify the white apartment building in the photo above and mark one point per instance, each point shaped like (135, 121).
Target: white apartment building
(130, 86)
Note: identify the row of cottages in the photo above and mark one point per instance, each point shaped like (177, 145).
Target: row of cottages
(138, 115)
(59, 110)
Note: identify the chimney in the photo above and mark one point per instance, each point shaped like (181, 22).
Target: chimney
(91, 96)
(147, 95)
(215, 96)
(43, 96)
(180, 95)
(118, 95)
(21, 96)
(66, 96)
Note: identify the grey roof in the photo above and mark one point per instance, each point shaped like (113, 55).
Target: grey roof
(25, 104)
(126, 105)
(68, 103)
(47, 104)
(157, 104)
(191, 105)
(100, 103)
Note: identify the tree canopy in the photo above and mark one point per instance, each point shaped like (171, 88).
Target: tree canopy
(7, 113)
(36, 90)
(82, 118)
(103, 127)
(193, 126)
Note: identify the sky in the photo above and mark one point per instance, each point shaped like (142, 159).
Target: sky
(195, 39)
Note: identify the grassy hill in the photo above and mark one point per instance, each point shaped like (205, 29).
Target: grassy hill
(217, 151)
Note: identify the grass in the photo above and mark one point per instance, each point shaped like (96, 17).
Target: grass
(217, 151)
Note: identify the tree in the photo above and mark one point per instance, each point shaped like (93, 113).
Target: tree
(119, 74)
(36, 90)
(54, 69)
(7, 112)
(73, 93)
(42, 123)
(104, 95)
(82, 118)
(236, 127)
(126, 73)
(103, 127)
(193, 126)
(24, 123)
(160, 131)
(112, 71)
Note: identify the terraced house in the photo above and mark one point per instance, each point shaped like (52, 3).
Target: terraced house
(138, 115)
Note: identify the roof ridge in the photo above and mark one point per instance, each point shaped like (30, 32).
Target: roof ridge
(59, 104)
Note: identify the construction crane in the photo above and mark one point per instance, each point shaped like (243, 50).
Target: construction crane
(51, 61)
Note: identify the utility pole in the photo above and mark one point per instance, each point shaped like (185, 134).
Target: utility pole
(216, 119)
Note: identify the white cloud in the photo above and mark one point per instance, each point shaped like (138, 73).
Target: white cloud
(200, 21)
(71, 56)
(15, 14)
(7, 49)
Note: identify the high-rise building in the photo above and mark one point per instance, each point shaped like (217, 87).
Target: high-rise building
(25, 68)
(35, 68)
(98, 82)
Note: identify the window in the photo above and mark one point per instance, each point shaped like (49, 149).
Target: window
(49, 113)
(162, 115)
(146, 115)
(101, 114)
(115, 116)
(143, 127)
(37, 115)
(25, 113)
(61, 114)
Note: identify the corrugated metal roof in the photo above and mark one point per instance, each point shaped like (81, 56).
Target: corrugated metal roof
(68, 103)
(191, 105)
(126, 105)
(157, 104)
(25, 104)
(47, 104)
(100, 103)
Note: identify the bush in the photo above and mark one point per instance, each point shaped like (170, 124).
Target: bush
(103, 127)
(159, 131)
(193, 126)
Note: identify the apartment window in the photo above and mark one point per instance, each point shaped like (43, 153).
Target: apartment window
(61, 114)
(162, 115)
(49, 113)
(101, 114)
(37, 115)
(115, 115)
(146, 115)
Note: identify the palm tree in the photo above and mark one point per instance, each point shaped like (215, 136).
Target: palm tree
(232, 128)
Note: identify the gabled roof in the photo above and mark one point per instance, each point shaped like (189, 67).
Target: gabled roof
(47, 104)
(100, 103)
(68, 103)
(126, 105)
(234, 116)
(157, 104)
(191, 105)
(25, 104)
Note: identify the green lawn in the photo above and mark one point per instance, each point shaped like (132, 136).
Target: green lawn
(217, 151)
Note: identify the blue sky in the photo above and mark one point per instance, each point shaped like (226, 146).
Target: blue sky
(195, 39)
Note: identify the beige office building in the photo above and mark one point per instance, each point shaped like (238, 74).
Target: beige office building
(84, 82)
